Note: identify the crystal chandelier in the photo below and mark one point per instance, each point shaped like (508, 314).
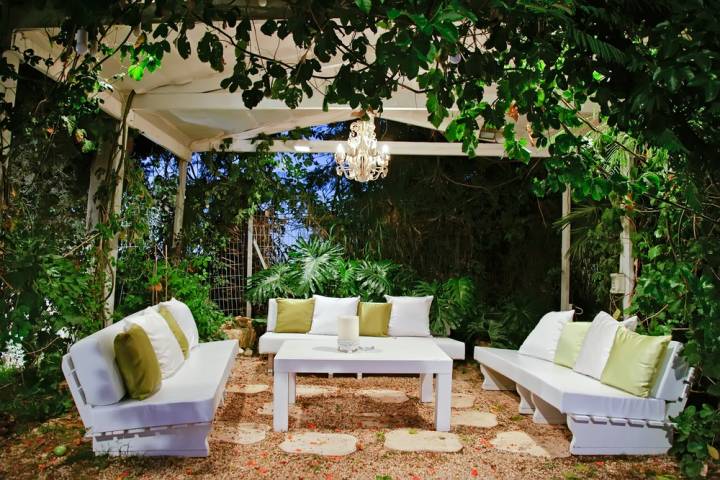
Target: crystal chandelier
(362, 161)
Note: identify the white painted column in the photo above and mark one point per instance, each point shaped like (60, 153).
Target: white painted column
(627, 260)
(9, 88)
(179, 202)
(249, 269)
(565, 253)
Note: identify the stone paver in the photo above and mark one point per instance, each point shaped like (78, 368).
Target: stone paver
(411, 440)
(474, 418)
(521, 442)
(250, 389)
(314, 390)
(296, 411)
(239, 433)
(315, 443)
(463, 400)
(384, 396)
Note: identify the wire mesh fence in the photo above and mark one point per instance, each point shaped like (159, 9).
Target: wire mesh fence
(270, 237)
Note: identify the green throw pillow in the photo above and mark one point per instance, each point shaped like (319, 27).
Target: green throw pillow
(294, 315)
(571, 340)
(374, 318)
(176, 330)
(137, 363)
(634, 361)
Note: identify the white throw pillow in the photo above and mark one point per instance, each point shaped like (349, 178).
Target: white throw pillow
(598, 342)
(167, 349)
(409, 316)
(326, 313)
(543, 340)
(272, 315)
(184, 317)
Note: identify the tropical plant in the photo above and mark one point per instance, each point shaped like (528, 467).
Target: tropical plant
(454, 303)
(314, 265)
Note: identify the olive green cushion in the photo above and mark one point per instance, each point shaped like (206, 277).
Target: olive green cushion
(570, 343)
(634, 361)
(374, 318)
(137, 362)
(294, 315)
(176, 330)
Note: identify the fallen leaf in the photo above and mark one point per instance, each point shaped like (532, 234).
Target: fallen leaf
(360, 446)
(473, 472)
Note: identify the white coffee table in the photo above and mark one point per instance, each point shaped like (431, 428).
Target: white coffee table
(389, 356)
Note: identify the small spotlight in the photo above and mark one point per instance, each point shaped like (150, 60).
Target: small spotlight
(302, 148)
(262, 3)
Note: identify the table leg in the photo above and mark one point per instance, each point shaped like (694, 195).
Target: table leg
(292, 381)
(426, 387)
(443, 396)
(280, 402)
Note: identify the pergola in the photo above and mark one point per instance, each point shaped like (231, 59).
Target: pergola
(182, 108)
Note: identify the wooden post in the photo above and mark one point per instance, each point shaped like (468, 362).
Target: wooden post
(9, 89)
(179, 203)
(565, 253)
(249, 270)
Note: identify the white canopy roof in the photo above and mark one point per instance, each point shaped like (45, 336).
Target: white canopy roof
(182, 107)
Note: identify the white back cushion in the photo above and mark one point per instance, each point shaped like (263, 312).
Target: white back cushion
(272, 315)
(598, 342)
(167, 349)
(409, 316)
(95, 367)
(543, 340)
(327, 310)
(184, 317)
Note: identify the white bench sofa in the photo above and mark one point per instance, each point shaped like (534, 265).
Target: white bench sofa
(270, 342)
(602, 419)
(174, 421)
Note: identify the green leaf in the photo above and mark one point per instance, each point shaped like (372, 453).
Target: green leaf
(364, 5)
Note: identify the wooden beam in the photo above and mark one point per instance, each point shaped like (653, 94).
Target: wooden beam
(396, 148)
(627, 259)
(179, 202)
(565, 252)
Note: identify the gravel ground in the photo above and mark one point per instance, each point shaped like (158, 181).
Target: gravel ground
(30, 455)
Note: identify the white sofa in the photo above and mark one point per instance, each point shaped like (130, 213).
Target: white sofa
(602, 419)
(270, 342)
(174, 421)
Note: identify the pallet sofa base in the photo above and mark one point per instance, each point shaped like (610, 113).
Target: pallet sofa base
(177, 441)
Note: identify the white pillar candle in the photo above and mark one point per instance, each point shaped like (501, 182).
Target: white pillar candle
(348, 332)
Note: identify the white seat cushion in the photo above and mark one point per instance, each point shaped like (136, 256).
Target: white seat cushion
(184, 317)
(270, 342)
(95, 367)
(272, 315)
(326, 313)
(409, 316)
(567, 390)
(542, 342)
(190, 396)
(166, 347)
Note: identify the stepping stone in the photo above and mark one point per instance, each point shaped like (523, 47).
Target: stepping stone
(239, 433)
(462, 400)
(474, 418)
(521, 442)
(314, 390)
(247, 389)
(370, 420)
(314, 443)
(267, 409)
(384, 396)
(411, 440)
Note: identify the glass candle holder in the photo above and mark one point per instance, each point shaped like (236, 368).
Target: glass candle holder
(348, 333)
